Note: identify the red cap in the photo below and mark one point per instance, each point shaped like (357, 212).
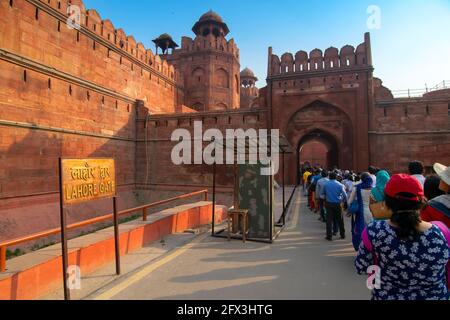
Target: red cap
(403, 183)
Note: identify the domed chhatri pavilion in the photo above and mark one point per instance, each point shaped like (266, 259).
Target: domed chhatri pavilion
(165, 42)
(249, 91)
(211, 22)
(248, 78)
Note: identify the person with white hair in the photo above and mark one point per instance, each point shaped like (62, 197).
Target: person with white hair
(438, 209)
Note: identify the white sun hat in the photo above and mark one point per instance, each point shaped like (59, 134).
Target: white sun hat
(443, 172)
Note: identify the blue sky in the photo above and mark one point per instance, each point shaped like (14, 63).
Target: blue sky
(411, 49)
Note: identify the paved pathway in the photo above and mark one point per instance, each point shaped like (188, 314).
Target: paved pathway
(299, 265)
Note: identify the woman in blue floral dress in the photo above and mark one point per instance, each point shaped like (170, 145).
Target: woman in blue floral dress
(412, 255)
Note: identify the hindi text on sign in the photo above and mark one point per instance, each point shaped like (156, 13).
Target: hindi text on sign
(87, 179)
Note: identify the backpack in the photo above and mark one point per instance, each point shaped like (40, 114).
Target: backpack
(354, 207)
(445, 231)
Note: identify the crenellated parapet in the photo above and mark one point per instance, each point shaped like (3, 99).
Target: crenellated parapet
(332, 59)
(79, 56)
(91, 20)
(202, 43)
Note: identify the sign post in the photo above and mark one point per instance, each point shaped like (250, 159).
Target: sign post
(116, 236)
(63, 234)
(82, 180)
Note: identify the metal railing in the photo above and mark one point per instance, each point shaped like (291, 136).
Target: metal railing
(415, 93)
(4, 245)
(282, 221)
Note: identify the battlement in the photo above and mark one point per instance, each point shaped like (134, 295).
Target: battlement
(91, 20)
(346, 58)
(95, 51)
(201, 43)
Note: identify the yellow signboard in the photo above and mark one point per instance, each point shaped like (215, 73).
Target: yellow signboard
(87, 179)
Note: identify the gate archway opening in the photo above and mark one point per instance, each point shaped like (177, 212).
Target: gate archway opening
(314, 153)
(317, 148)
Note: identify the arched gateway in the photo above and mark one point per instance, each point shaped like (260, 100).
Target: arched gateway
(318, 147)
(322, 122)
(325, 97)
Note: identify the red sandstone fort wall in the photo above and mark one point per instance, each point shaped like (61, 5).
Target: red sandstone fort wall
(410, 129)
(383, 131)
(97, 53)
(69, 93)
(157, 172)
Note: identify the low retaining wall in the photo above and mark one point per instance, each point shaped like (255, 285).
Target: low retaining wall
(40, 272)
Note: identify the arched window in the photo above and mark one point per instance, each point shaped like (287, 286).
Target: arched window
(222, 79)
(198, 76)
(220, 106)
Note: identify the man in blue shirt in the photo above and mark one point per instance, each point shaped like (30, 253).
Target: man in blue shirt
(335, 195)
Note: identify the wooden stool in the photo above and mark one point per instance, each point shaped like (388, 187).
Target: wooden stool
(235, 215)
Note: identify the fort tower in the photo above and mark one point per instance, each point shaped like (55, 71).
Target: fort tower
(209, 65)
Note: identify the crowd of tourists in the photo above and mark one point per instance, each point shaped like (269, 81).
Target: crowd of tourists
(399, 225)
